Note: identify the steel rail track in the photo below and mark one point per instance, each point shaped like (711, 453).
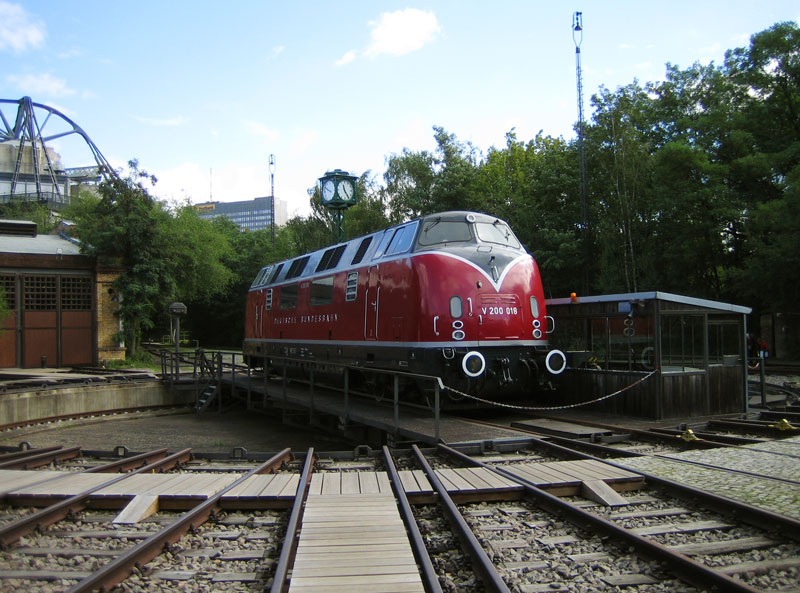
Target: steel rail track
(279, 580)
(84, 415)
(577, 444)
(13, 455)
(684, 567)
(123, 566)
(13, 531)
(480, 560)
(39, 459)
(429, 576)
(751, 515)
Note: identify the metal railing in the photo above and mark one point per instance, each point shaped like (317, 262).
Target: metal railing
(208, 366)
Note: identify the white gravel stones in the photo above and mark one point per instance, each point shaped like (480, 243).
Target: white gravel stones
(773, 495)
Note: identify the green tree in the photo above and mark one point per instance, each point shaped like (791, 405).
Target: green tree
(127, 226)
(26, 210)
(621, 161)
(533, 186)
(419, 183)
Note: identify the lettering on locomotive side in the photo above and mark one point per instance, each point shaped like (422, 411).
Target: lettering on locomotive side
(496, 310)
(320, 318)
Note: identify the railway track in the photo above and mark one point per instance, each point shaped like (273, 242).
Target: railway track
(432, 520)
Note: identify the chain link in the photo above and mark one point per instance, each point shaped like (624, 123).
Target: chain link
(541, 408)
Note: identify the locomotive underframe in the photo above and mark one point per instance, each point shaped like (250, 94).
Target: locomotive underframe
(511, 372)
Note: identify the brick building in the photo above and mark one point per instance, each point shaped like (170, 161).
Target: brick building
(63, 306)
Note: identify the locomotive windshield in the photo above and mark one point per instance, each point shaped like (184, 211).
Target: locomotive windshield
(444, 231)
(497, 232)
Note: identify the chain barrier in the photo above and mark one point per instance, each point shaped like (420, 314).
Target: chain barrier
(545, 408)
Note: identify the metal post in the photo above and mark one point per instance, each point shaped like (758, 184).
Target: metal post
(436, 411)
(311, 402)
(396, 404)
(249, 391)
(346, 393)
(763, 368)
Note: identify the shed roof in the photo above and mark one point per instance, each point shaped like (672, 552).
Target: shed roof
(39, 245)
(655, 295)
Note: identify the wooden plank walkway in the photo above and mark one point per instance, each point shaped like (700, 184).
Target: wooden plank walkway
(353, 542)
(564, 477)
(464, 484)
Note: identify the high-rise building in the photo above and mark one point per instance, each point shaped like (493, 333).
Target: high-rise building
(249, 215)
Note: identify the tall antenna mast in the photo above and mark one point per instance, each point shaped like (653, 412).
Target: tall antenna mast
(272, 196)
(577, 37)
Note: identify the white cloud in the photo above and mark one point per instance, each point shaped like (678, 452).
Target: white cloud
(259, 129)
(278, 50)
(347, 58)
(17, 30)
(401, 32)
(41, 84)
(397, 33)
(169, 122)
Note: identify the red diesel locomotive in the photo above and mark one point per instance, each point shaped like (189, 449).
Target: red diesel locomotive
(452, 295)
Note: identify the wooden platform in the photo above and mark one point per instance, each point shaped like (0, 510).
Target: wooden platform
(184, 490)
(353, 542)
(566, 478)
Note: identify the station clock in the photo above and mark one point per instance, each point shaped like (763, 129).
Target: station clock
(338, 189)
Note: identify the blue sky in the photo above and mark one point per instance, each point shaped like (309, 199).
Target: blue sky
(202, 93)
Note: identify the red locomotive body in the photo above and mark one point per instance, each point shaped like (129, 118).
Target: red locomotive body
(452, 295)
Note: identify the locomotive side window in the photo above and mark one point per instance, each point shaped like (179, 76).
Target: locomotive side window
(330, 259)
(384, 242)
(362, 249)
(268, 301)
(321, 291)
(497, 232)
(297, 267)
(403, 237)
(261, 276)
(275, 273)
(456, 307)
(352, 286)
(444, 231)
(288, 298)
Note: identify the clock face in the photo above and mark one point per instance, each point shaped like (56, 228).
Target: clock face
(345, 190)
(327, 191)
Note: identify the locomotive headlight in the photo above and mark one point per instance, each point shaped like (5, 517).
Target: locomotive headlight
(473, 364)
(556, 362)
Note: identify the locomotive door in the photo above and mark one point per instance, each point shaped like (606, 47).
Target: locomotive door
(371, 304)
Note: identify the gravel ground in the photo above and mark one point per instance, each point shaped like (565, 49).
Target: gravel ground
(773, 495)
(207, 432)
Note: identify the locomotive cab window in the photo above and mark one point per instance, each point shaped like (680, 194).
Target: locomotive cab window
(387, 236)
(321, 291)
(437, 231)
(402, 240)
(497, 232)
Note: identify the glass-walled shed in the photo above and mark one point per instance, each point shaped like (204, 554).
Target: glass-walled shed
(694, 348)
